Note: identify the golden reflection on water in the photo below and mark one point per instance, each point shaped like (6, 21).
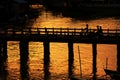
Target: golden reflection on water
(59, 60)
(106, 51)
(86, 59)
(48, 20)
(36, 60)
(59, 51)
(13, 64)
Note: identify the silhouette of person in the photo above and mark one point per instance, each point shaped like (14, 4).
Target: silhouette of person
(45, 30)
(86, 28)
(99, 30)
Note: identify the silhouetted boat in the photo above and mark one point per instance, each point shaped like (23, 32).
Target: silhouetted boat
(113, 74)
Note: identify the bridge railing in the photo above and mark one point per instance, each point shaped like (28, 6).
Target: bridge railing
(60, 31)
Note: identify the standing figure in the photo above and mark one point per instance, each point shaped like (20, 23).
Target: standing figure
(99, 30)
(86, 28)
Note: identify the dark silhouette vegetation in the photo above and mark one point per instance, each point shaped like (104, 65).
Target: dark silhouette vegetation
(16, 12)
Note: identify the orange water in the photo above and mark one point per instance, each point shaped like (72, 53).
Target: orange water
(59, 51)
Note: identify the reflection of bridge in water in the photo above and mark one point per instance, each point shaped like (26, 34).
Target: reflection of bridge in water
(66, 35)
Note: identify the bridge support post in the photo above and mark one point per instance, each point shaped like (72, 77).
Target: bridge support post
(24, 56)
(118, 57)
(24, 44)
(3, 49)
(94, 47)
(24, 71)
(46, 60)
(1, 52)
(70, 59)
(3, 58)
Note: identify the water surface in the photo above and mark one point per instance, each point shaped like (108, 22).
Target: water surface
(34, 69)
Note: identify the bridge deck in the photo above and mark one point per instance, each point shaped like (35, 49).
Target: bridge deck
(76, 35)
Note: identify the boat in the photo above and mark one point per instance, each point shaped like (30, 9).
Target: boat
(113, 74)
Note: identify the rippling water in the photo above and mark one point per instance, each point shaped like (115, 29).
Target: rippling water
(59, 52)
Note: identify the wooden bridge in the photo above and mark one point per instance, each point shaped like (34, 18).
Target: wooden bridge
(66, 35)
(76, 35)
